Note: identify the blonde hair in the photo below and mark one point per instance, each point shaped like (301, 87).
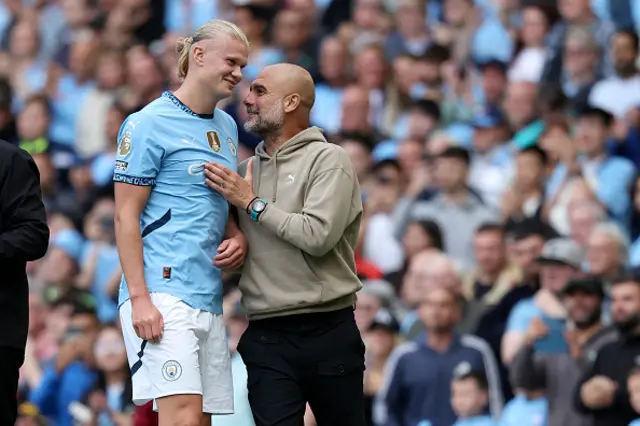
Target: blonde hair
(212, 29)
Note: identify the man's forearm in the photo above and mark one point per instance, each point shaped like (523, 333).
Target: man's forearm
(232, 228)
(129, 242)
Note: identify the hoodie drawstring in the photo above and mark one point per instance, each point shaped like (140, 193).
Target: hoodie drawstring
(275, 181)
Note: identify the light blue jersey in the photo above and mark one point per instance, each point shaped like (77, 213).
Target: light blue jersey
(165, 145)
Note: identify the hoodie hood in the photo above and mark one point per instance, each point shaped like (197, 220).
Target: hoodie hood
(290, 149)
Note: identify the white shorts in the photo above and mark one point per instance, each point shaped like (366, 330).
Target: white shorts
(191, 358)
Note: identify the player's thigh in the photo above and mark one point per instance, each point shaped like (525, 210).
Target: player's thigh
(171, 366)
(217, 380)
(335, 392)
(274, 391)
(180, 410)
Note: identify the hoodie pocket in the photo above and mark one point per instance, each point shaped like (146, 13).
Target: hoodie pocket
(279, 280)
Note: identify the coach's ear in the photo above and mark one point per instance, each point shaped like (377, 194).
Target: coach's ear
(291, 102)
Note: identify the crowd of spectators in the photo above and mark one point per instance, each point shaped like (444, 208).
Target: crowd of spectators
(497, 143)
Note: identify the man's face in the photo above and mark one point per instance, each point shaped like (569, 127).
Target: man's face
(493, 84)
(265, 106)
(223, 60)
(591, 135)
(439, 310)
(519, 104)
(526, 251)
(291, 29)
(581, 223)
(360, 157)
(333, 59)
(583, 308)
(578, 58)
(603, 254)
(554, 276)
(450, 173)
(625, 306)
(624, 55)
(529, 170)
(572, 9)
(489, 250)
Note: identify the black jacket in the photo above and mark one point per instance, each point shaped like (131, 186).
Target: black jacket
(614, 360)
(24, 236)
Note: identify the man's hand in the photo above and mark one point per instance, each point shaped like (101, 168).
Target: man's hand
(598, 392)
(147, 320)
(537, 330)
(231, 252)
(233, 187)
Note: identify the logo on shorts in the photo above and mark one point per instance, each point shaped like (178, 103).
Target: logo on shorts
(171, 371)
(214, 140)
(232, 147)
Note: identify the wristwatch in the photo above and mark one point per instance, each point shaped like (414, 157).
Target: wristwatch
(256, 208)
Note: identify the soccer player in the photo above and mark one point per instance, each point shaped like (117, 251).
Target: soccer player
(169, 227)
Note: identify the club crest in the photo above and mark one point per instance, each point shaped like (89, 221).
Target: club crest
(214, 141)
(171, 371)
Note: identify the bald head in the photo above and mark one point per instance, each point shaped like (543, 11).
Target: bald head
(289, 79)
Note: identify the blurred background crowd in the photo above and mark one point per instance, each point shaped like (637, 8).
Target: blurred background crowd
(497, 143)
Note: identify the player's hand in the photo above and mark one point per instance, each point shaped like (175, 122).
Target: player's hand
(231, 252)
(233, 187)
(147, 320)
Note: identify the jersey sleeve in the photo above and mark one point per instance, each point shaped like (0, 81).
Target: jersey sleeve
(139, 155)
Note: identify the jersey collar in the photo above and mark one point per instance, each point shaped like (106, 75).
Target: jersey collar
(179, 104)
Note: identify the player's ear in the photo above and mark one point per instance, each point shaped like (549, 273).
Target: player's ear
(198, 54)
(291, 102)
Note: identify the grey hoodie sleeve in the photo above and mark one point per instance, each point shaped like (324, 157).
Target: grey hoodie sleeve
(328, 209)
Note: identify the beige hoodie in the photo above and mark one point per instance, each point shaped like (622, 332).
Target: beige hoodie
(301, 252)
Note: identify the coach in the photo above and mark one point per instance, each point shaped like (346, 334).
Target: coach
(300, 207)
(24, 236)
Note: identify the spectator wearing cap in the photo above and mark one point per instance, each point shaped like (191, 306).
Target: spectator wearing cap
(601, 391)
(417, 386)
(561, 370)
(236, 324)
(469, 397)
(72, 375)
(491, 160)
(382, 338)
(620, 93)
(560, 261)
(607, 178)
(456, 209)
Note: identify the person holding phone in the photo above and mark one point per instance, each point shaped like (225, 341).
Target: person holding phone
(553, 353)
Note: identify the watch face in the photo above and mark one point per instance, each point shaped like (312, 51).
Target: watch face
(258, 206)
